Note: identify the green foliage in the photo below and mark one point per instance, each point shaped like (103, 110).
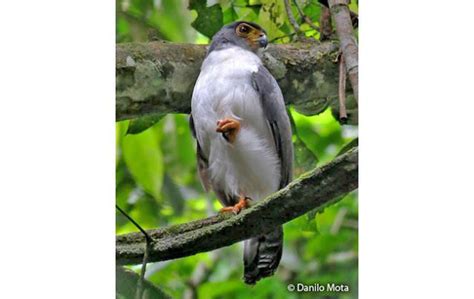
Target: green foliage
(156, 175)
(139, 125)
(144, 160)
(209, 19)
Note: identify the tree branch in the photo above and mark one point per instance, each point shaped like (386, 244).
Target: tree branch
(314, 189)
(342, 90)
(159, 77)
(291, 17)
(325, 24)
(304, 17)
(342, 18)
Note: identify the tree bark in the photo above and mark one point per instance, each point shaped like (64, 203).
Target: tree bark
(314, 189)
(159, 77)
(342, 19)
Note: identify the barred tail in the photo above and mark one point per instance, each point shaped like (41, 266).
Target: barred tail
(262, 255)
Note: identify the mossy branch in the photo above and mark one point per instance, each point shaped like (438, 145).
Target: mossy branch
(159, 77)
(314, 189)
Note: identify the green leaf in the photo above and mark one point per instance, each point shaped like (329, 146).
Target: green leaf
(321, 133)
(144, 160)
(240, 3)
(209, 19)
(230, 15)
(272, 16)
(255, 2)
(311, 223)
(178, 148)
(168, 18)
(139, 125)
(313, 11)
(137, 6)
(120, 129)
(350, 145)
(246, 13)
(173, 195)
(305, 159)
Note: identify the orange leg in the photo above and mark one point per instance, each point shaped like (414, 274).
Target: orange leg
(229, 128)
(242, 204)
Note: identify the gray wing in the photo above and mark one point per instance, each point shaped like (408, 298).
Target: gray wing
(202, 160)
(274, 109)
(203, 166)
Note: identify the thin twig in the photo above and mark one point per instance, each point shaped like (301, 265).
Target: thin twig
(202, 272)
(283, 36)
(148, 243)
(287, 35)
(325, 24)
(153, 32)
(291, 17)
(342, 90)
(139, 291)
(134, 222)
(305, 17)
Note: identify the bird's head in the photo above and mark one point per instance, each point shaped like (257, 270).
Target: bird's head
(247, 35)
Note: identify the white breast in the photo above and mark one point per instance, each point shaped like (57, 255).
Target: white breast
(250, 166)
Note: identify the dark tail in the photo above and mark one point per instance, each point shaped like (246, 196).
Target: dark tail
(262, 255)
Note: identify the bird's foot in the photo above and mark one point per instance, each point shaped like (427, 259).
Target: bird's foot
(242, 204)
(229, 128)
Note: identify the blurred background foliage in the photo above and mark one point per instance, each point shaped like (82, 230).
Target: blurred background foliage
(156, 176)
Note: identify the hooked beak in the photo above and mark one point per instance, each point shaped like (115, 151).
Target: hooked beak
(263, 41)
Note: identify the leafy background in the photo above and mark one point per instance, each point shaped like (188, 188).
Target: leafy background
(156, 176)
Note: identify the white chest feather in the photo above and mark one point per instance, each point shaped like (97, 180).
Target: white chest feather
(249, 166)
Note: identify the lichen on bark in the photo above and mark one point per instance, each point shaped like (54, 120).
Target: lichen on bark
(315, 189)
(158, 77)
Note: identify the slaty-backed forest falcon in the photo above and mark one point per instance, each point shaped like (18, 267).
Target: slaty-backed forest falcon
(243, 133)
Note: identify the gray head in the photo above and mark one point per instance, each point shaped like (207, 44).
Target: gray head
(247, 35)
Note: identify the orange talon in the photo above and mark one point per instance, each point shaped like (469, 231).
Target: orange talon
(242, 204)
(227, 209)
(229, 128)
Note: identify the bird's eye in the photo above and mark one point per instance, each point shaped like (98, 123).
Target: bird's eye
(244, 29)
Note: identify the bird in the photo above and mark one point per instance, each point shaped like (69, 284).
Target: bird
(243, 132)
